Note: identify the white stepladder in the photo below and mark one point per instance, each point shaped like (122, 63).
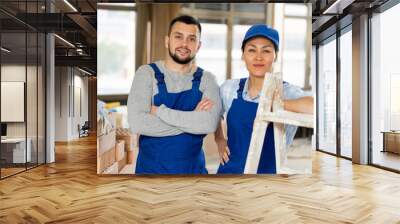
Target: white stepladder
(270, 109)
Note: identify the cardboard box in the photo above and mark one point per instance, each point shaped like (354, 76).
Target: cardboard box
(105, 125)
(105, 142)
(120, 150)
(131, 140)
(99, 127)
(131, 157)
(112, 117)
(117, 119)
(122, 162)
(113, 169)
(105, 160)
(128, 169)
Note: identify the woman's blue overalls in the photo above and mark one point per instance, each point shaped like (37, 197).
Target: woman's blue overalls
(179, 154)
(240, 121)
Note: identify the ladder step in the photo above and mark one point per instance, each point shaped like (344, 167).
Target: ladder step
(287, 117)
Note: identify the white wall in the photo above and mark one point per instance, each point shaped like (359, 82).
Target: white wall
(17, 73)
(80, 89)
(33, 125)
(61, 103)
(50, 93)
(69, 84)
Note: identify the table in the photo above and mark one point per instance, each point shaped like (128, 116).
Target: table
(13, 150)
(391, 141)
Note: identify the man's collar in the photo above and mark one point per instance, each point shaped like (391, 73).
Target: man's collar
(192, 70)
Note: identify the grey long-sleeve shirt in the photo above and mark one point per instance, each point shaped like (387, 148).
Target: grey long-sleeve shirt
(168, 122)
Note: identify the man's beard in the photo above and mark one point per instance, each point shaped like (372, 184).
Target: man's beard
(178, 60)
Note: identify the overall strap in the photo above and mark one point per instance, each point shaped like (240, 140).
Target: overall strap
(160, 78)
(241, 87)
(157, 73)
(197, 78)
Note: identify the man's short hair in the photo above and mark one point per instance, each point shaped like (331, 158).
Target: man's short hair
(184, 19)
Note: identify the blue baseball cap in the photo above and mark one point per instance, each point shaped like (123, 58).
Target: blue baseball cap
(262, 30)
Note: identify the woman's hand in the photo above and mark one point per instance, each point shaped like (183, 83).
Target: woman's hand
(222, 144)
(223, 151)
(301, 105)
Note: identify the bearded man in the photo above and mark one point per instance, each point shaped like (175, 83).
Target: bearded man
(173, 104)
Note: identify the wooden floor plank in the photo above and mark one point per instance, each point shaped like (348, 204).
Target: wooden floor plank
(70, 191)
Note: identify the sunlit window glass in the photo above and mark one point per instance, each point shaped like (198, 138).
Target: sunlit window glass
(212, 54)
(116, 47)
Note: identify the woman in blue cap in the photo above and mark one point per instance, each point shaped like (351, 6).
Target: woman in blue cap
(240, 101)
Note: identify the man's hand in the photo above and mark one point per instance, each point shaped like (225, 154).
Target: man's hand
(153, 110)
(204, 105)
(223, 151)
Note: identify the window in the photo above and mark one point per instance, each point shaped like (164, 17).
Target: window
(22, 64)
(216, 20)
(296, 10)
(385, 85)
(116, 47)
(294, 43)
(327, 96)
(212, 53)
(346, 94)
(238, 66)
(294, 52)
(394, 101)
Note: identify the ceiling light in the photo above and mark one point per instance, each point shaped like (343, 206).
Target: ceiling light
(70, 5)
(5, 50)
(84, 71)
(124, 4)
(79, 51)
(338, 6)
(331, 7)
(65, 41)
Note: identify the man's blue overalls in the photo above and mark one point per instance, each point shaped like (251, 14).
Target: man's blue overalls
(179, 154)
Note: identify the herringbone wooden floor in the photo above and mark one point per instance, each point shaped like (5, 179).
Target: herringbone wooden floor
(70, 191)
